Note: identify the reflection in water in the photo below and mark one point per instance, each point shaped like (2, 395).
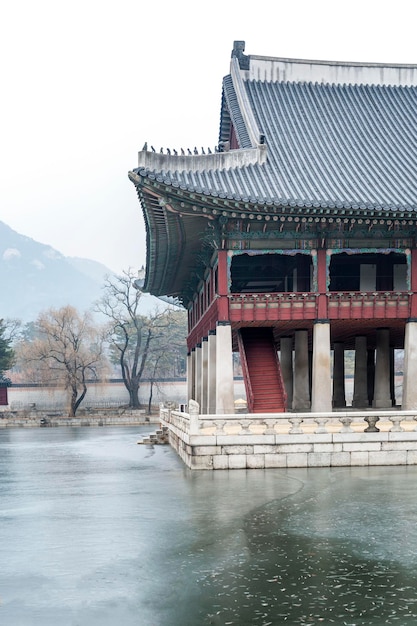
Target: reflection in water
(97, 530)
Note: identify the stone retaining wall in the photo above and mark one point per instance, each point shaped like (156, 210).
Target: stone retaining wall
(36, 419)
(331, 450)
(230, 442)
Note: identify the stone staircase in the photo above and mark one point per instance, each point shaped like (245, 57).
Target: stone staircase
(159, 437)
(263, 370)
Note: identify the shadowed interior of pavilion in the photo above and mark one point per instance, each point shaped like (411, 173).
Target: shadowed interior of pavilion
(273, 300)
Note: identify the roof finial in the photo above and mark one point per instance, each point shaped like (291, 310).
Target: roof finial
(238, 48)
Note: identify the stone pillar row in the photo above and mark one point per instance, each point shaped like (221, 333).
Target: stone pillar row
(307, 378)
(210, 372)
(374, 373)
(373, 377)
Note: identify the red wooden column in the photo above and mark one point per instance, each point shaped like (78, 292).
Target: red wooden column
(222, 286)
(322, 284)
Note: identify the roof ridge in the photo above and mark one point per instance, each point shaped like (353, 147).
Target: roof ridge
(154, 161)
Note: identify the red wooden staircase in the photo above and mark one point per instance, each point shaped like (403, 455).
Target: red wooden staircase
(261, 371)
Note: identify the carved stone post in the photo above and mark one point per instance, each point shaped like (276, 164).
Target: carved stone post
(194, 410)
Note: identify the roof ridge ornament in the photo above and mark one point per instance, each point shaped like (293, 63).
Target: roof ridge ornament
(238, 49)
(245, 108)
(221, 158)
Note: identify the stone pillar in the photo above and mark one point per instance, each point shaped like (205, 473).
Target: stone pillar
(382, 393)
(191, 375)
(371, 374)
(321, 391)
(360, 382)
(301, 394)
(286, 367)
(339, 393)
(225, 396)
(392, 375)
(197, 390)
(204, 376)
(409, 402)
(211, 374)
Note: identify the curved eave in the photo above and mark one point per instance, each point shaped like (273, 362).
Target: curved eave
(240, 188)
(173, 241)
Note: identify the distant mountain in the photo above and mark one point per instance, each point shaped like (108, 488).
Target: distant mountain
(35, 277)
(95, 270)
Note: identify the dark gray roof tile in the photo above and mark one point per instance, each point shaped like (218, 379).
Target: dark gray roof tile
(327, 145)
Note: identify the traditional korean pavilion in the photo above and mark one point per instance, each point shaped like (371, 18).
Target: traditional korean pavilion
(295, 238)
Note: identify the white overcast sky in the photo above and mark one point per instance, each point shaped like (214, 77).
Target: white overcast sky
(85, 83)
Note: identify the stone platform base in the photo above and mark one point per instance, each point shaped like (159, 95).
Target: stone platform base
(253, 442)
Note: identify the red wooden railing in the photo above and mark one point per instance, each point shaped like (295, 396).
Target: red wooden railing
(304, 306)
(281, 382)
(368, 305)
(245, 371)
(334, 305)
(206, 323)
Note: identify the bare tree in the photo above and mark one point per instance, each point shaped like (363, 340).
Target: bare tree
(68, 350)
(167, 359)
(134, 338)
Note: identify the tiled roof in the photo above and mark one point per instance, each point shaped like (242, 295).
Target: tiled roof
(328, 145)
(311, 134)
(342, 145)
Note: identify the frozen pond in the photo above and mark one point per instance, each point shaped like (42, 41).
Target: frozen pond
(96, 530)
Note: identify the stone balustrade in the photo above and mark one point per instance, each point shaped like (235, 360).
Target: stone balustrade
(345, 438)
(293, 423)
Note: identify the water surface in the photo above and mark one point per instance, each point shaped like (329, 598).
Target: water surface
(96, 530)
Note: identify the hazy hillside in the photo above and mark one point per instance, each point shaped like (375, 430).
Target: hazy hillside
(35, 277)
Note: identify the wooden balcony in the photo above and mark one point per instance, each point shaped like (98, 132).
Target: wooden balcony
(305, 306)
(266, 309)
(369, 305)
(272, 307)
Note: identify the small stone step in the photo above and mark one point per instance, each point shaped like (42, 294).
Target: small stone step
(159, 437)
